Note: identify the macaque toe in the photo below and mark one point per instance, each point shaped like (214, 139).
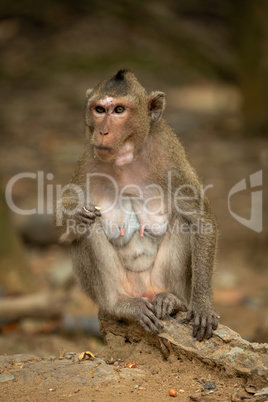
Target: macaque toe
(150, 323)
(166, 304)
(144, 314)
(203, 324)
(214, 322)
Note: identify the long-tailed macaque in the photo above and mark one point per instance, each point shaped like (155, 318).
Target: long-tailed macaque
(141, 231)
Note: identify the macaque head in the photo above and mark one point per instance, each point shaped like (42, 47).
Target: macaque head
(119, 115)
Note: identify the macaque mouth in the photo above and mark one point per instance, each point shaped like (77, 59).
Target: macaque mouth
(103, 147)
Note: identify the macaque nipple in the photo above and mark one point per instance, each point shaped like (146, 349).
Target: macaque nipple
(142, 230)
(122, 230)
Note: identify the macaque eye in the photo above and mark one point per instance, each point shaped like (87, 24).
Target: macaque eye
(100, 109)
(119, 109)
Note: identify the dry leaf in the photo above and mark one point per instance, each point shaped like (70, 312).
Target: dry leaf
(85, 355)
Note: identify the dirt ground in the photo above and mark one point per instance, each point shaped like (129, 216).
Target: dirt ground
(155, 379)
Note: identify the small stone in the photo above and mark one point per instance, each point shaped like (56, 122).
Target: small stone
(49, 358)
(262, 395)
(210, 385)
(236, 397)
(196, 397)
(5, 377)
(68, 356)
(251, 389)
(172, 392)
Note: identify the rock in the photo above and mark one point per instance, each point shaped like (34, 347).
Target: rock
(262, 395)
(5, 377)
(251, 389)
(225, 349)
(53, 372)
(49, 358)
(196, 397)
(210, 385)
(235, 397)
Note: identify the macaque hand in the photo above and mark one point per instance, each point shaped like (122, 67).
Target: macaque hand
(78, 225)
(166, 304)
(86, 217)
(204, 322)
(141, 310)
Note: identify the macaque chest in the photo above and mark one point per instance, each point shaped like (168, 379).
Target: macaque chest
(136, 228)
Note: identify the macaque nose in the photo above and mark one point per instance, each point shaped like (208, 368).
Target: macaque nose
(106, 133)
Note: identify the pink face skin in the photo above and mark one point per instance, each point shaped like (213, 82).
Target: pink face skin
(110, 116)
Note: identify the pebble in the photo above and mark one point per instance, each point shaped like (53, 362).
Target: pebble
(235, 398)
(49, 358)
(196, 397)
(210, 385)
(70, 355)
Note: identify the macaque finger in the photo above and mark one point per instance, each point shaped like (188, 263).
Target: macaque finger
(149, 305)
(155, 321)
(87, 220)
(208, 333)
(197, 322)
(202, 329)
(182, 306)
(189, 316)
(157, 308)
(96, 211)
(214, 322)
(148, 324)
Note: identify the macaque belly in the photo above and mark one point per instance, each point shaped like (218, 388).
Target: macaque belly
(136, 233)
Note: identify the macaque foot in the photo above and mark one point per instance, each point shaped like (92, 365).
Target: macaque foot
(203, 323)
(166, 304)
(141, 310)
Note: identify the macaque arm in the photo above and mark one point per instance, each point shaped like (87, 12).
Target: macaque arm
(194, 208)
(203, 248)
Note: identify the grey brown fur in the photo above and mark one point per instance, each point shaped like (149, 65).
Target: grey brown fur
(173, 271)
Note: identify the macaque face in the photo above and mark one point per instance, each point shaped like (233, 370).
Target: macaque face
(115, 129)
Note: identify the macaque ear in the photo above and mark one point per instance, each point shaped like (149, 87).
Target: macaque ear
(89, 92)
(156, 104)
